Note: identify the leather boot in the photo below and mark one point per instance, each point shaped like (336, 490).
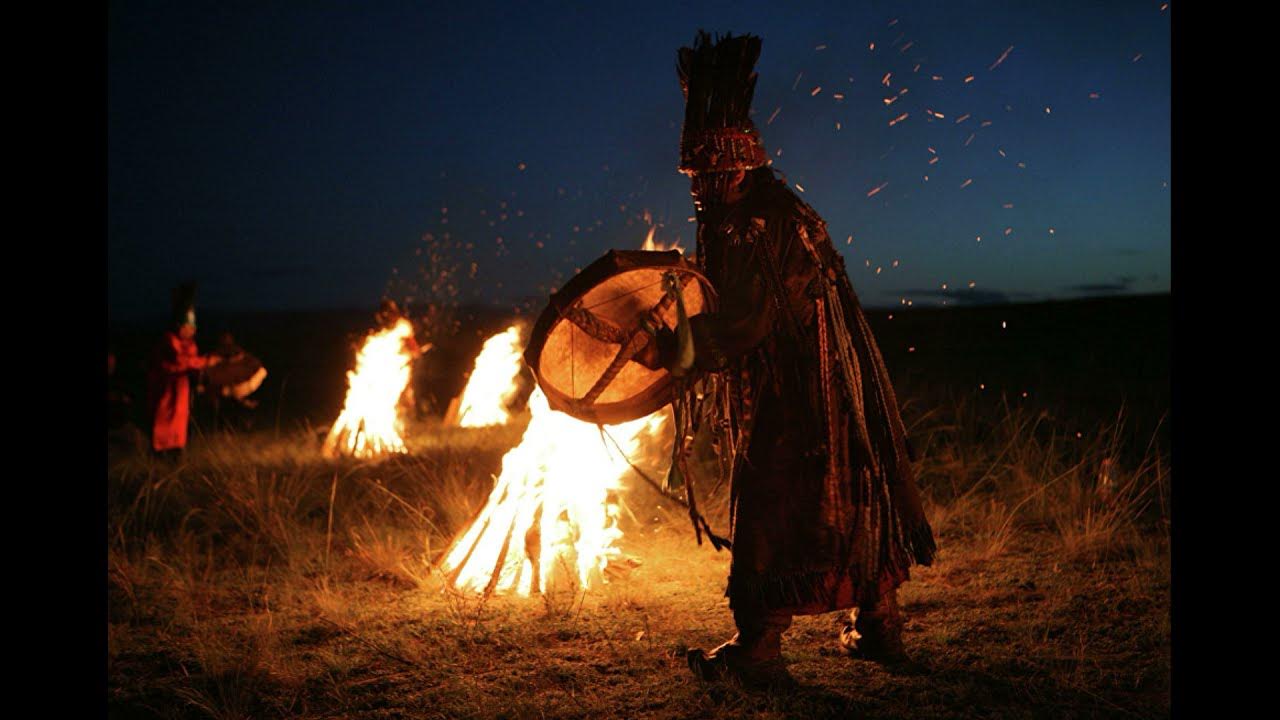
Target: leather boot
(752, 657)
(874, 631)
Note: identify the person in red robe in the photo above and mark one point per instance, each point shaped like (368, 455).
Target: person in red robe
(169, 377)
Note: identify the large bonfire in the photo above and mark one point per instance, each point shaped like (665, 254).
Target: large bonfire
(370, 423)
(552, 518)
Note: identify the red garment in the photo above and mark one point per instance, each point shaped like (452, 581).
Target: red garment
(169, 390)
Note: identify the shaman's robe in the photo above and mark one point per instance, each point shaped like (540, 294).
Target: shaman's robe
(825, 513)
(169, 390)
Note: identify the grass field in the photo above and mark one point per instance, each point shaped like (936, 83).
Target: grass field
(255, 578)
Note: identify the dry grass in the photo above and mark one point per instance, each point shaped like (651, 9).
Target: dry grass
(256, 579)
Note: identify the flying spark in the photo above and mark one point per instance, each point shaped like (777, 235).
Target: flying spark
(1000, 59)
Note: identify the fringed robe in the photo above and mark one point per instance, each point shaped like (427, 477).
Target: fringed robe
(825, 513)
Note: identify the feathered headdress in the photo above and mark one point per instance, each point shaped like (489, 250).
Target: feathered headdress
(718, 80)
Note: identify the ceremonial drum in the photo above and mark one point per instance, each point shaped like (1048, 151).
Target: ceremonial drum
(581, 348)
(236, 378)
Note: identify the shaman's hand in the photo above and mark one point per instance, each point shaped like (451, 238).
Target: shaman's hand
(660, 352)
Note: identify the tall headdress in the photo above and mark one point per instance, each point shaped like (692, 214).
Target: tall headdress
(183, 298)
(718, 80)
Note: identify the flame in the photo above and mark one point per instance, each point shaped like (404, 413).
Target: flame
(493, 381)
(370, 423)
(649, 244)
(552, 518)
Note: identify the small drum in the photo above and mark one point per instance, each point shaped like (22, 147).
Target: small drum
(235, 378)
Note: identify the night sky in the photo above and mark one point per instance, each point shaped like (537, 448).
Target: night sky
(318, 155)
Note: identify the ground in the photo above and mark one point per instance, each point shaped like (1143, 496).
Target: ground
(243, 599)
(255, 578)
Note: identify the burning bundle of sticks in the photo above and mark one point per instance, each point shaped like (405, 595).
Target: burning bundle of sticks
(370, 423)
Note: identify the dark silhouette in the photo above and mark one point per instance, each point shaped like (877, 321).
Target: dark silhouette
(825, 514)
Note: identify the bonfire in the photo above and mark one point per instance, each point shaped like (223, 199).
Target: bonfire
(552, 518)
(487, 398)
(370, 424)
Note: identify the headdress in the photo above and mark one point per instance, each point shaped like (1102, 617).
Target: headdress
(718, 80)
(183, 298)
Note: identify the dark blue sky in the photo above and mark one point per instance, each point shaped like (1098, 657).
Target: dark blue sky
(302, 155)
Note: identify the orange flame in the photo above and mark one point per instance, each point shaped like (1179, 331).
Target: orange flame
(552, 518)
(493, 381)
(649, 244)
(370, 422)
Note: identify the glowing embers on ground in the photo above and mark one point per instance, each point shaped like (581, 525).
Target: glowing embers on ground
(492, 385)
(370, 423)
(552, 518)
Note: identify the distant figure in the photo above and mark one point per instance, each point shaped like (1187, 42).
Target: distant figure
(169, 377)
(228, 385)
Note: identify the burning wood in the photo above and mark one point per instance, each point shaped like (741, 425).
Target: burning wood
(552, 518)
(492, 385)
(370, 422)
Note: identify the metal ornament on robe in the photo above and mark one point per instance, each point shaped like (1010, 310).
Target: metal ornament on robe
(581, 348)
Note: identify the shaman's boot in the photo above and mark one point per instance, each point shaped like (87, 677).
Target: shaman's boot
(874, 631)
(753, 657)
